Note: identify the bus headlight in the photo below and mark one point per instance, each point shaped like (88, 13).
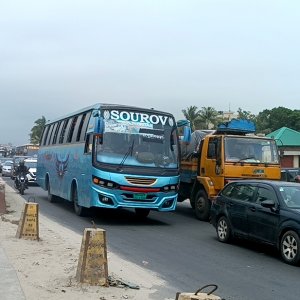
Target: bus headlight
(170, 188)
(104, 183)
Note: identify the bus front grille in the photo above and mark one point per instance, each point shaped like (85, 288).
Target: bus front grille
(141, 181)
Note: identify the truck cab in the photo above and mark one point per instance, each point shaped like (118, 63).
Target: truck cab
(232, 152)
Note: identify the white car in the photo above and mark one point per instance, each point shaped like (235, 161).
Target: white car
(6, 168)
(31, 163)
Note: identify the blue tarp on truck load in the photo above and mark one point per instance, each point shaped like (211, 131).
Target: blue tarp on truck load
(237, 126)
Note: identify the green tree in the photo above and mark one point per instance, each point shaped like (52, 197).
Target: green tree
(209, 116)
(271, 120)
(243, 114)
(193, 115)
(37, 130)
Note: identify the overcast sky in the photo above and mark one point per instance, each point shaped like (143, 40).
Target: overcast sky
(59, 56)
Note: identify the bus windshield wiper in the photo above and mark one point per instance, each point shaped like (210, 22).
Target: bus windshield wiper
(129, 151)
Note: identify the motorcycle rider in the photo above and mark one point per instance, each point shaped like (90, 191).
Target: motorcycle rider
(21, 169)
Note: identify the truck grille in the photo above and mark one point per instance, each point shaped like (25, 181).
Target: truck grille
(141, 181)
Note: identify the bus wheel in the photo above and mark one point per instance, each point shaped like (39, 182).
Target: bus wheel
(79, 210)
(202, 206)
(142, 212)
(51, 198)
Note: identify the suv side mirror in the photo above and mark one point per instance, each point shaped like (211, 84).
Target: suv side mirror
(268, 203)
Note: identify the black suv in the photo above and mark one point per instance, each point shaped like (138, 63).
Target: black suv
(260, 210)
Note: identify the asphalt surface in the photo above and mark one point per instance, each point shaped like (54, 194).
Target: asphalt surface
(184, 251)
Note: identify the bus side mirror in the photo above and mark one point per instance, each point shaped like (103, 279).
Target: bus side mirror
(99, 126)
(187, 134)
(96, 125)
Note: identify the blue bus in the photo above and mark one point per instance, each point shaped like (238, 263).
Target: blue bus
(111, 156)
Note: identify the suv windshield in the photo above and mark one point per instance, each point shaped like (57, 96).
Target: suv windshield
(291, 196)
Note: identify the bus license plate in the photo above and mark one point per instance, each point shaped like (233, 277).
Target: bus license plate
(140, 196)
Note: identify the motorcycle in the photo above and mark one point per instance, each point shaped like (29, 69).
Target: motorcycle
(21, 183)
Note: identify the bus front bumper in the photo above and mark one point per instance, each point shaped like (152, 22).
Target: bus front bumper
(119, 199)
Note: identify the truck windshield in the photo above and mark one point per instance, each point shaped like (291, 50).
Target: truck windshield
(128, 143)
(251, 149)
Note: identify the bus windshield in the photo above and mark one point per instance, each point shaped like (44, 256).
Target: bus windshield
(251, 149)
(138, 143)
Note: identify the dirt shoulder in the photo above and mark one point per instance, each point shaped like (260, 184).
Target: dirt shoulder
(46, 269)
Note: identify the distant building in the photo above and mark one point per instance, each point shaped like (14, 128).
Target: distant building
(3, 152)
(227, 115)
(27, 149)
(288, 142)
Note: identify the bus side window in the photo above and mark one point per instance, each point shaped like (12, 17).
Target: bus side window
(50, 137)
(45, 134)
(50, 132)
(61, 126)
(76, 128)
(88, 144)
(80, 127)
(71, 131)
(62, 132)
(66, 133)
(84, 126)
(57, 131)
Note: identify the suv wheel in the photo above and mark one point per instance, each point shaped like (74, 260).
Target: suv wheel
(223, 230)
(290, 247)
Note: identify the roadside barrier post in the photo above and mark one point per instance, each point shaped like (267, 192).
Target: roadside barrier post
(29, 222)
(2, 197)
(92, 265)
(199, 296)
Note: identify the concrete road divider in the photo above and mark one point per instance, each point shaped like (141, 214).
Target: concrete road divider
(29, 222)
(92, 264)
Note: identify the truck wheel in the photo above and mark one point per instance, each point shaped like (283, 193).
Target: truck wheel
(290, 247)
(202, 206)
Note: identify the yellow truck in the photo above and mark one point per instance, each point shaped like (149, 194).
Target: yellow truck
(210, 159)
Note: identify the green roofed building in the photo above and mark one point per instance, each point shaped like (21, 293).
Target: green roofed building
(288, 142)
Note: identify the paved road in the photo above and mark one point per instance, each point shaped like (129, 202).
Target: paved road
(185, 252)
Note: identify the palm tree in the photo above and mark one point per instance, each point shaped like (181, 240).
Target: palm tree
(37, 130)
(192, 114)
(209, 116)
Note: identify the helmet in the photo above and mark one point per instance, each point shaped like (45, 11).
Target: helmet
(21, 163)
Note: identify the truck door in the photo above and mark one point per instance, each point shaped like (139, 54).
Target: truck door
(211, 161)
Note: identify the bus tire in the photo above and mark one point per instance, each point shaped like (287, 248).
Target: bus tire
(142, 213)
(79, 210)
(51, 198)
(202, 206)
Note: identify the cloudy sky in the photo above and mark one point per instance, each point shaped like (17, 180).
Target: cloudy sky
(60, 56)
